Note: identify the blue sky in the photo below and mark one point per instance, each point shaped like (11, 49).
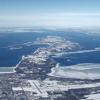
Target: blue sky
(50, 13)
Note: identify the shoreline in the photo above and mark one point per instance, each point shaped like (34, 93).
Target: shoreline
(4, 70)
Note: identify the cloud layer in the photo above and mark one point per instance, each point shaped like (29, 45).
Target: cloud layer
(51, 19)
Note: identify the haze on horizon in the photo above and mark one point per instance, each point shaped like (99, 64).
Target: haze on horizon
(59, 13)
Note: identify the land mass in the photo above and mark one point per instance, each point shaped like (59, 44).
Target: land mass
(32, 78)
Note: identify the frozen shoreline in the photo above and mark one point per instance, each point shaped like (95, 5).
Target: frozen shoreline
(78, 71)
(7, 70)
(10, 69)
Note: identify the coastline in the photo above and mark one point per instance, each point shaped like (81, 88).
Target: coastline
(7, 70)
(4, 70)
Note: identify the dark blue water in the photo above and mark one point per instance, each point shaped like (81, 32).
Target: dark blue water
(72, 59)
(8, 57)
(12, 57)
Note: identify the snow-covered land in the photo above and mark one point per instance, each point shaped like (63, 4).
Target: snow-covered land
(39, 77)
(92, 97)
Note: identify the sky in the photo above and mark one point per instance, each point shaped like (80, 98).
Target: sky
(61, 13)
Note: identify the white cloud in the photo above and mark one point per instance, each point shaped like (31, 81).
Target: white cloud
(52, 19)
